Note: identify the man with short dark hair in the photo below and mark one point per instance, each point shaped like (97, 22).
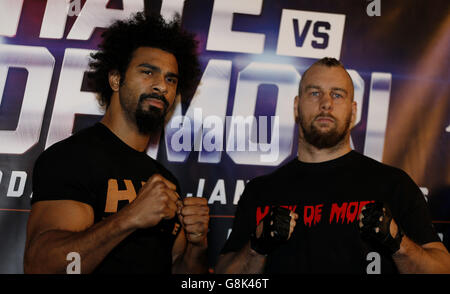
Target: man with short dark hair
(331, 209)
(97, 193)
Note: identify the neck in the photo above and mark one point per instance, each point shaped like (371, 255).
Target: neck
(309, 153)
(127, 131)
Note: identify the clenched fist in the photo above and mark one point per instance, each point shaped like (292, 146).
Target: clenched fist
(376, 224)
(194, 217)
(275, 229)
(156, 200)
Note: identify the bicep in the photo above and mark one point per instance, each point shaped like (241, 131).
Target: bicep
(439, 256)
(63, 215)
(435, 246)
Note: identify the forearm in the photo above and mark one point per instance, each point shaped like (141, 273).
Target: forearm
(245, 261)
(412, 258)
(194, 260)
(47, 253)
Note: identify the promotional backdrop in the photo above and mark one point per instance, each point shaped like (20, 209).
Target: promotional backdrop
(240, 122)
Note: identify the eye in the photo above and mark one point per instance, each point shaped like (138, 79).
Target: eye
(172, 80)
(314, 93)
(147, 72)
(336, 95)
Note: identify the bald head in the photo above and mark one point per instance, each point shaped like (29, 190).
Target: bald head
(320, 66)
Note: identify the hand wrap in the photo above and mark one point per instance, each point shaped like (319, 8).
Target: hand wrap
(376, 220)
(276, 226)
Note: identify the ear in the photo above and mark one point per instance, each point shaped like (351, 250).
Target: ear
(354, 112)
(296, 102)
(114, 80)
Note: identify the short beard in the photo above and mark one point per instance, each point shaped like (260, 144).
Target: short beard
(152, 120)
(326, 140)
(147, 121)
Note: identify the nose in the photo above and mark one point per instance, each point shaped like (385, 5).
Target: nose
(326, 102)
(159, 84)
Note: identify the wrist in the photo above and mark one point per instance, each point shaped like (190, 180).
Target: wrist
(252, 252)
(194, 241)
(258, 247)
(396, 242)
(403, 248)
(126, 221)
(196, 251)
(202, 245)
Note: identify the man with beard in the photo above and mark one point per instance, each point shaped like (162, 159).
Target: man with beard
(331, 209)
(97, 194)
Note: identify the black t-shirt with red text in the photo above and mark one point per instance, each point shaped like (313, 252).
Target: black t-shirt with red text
(328, 198)
(95, 167)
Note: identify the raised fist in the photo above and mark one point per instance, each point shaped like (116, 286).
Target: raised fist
(377, 225)
(275, 229)
(156, 200)
(194, 217)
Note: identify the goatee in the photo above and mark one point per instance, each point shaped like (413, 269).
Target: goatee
(151, 120)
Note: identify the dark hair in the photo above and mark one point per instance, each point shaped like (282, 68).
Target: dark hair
(123, 37)
(326, 61)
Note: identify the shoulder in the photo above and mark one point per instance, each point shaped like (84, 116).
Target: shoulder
(374, 167)
(395, 182)
(71, 149)
(273, 179)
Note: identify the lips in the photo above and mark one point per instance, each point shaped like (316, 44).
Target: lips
(155, 102)
(324, 119)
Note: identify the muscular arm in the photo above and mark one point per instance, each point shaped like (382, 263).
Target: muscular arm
(376, 223)
(429, 258)
(56, 228)
(247, 260)
(244, 261)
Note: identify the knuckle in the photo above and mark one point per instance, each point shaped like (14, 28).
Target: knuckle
(163, 197)
(159, 185)
(155, 177)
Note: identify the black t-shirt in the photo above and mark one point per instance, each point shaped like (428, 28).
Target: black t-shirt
(95, 167)
(328, 197)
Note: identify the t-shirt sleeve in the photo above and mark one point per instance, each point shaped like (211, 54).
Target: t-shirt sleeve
(244, 221)
(60, 175)
(415, 218)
